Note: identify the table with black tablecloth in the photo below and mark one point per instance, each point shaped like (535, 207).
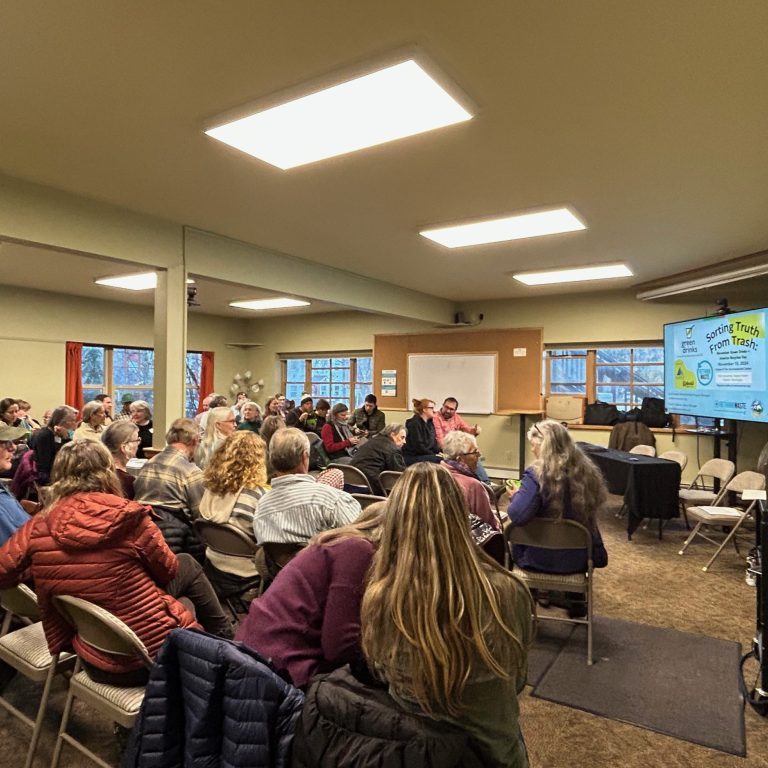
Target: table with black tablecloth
(649, 485)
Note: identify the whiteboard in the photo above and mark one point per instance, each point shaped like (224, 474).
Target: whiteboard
(471, 379)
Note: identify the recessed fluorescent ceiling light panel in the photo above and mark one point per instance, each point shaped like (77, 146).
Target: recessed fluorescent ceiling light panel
(507, 228)
(575, 275)
(279, 303)
(398, 101)
(144, 281)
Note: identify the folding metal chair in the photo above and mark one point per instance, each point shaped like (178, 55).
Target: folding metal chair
(353, 476)
(720, 515)
(105, 632)
(26, 650)
(387, 480)
(697, 494)
(677, 456)
(366, 499)
(643, 450)
(557, 534)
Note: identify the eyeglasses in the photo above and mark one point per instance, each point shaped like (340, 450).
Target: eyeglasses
(8, 445)
(476, 452)
(135, 440)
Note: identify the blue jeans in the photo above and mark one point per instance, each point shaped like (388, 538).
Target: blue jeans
(482, 475)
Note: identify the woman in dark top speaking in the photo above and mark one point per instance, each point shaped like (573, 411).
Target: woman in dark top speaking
(561, 483)
(420, 442)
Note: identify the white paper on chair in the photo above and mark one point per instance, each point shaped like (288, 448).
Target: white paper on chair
(721, 511)
(753, 495)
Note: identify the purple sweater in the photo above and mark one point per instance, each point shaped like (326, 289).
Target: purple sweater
(308, 621)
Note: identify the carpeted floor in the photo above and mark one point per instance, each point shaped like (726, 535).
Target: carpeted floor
(647, 581)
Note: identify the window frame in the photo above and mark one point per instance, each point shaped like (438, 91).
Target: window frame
(352, 382)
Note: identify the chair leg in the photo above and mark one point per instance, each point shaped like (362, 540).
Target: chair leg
(721, 547)
(64, 721)
(589, 624)
(690, 538)
(38, 727)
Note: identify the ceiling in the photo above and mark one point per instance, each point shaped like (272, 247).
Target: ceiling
(42, 268)
(647, 118)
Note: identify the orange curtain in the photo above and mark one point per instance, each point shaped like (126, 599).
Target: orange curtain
(73, 392)
(206, 378)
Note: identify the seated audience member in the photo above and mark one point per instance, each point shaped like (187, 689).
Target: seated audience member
(447, 420)
(25, 418)
(269, 426)
(90, 542)
(338, 440)
(47, 441)
(141, 416)
(47, 416)
(216, 401)
(106, 401)
(12, 516)
(297, 508)
(322, 407)
(461, 457)
(272, 408)
(299, 417)
(283, 404)
(122, 441)
(369, 419)
(125, 410)
(561, 483)
(308, 622)
(442, 623)
(250, 417)
(420, 442)
(235, 480)
(171, 479)
(205, 405)
(9, 411)
(380, 453)
(92, 425)
(220, 425)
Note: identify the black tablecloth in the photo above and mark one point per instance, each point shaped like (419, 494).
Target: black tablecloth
(650, 485)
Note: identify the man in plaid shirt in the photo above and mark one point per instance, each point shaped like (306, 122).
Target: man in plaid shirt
(448, 420)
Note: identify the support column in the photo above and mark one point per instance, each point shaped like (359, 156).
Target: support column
(170, 349)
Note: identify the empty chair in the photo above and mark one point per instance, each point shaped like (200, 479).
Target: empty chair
(231, 542)
(105, 632)
(353, 476)
(558, 534)
(720, 515)
(366, 499)
(698, 494)
(678, 456)
(388, 479)
(643, 450)
(26, 650)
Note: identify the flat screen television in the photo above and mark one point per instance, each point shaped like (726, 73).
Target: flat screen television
(717, 367)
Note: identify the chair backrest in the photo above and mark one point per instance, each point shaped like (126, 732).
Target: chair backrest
(280, 554)
(100, 629)
(747, 481)
(721, 469)
(643, 450)
(225, 538)
(387, 480)
(678, 456)
(366, 499)
(352, 475)
(20, 601)
(551, 534)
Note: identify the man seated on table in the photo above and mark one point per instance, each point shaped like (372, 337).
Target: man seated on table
(300, 417)
(447, 420)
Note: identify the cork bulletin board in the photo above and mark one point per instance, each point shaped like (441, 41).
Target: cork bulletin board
(518, 351)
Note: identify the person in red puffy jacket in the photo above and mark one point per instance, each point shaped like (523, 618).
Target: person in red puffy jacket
(90, 542)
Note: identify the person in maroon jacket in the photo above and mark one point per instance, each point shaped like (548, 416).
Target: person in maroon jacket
(89, 541)
(309, 620)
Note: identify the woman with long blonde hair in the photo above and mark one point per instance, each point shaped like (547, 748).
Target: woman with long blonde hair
(443, 623)
(309, 619)
(234, 480)
(219, 426)
(561, 483)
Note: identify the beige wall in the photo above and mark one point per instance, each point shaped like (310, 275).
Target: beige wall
(37, 324)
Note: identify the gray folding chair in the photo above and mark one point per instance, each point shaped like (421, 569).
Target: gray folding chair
(387, 480)
(352, 476)
(26, 650)
(677, 456)
(720, 515)
(105, 632)
(698, 494)
(557, 534)
(643, 450)
(366, 499)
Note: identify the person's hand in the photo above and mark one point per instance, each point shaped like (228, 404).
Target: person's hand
(60, 431)
(354, 440)
(304, 416)
(476, 430)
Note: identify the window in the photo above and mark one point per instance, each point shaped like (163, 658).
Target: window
(619, 375)
(121, 371)
(345, 379)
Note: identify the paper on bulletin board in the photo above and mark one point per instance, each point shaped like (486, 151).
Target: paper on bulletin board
(519, 352)
(389, 383)
(389, 391)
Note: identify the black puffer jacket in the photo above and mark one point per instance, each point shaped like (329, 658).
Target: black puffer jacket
(178, 535)
(347, 724)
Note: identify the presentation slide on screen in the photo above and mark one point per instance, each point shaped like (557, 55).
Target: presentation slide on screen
(717, 366)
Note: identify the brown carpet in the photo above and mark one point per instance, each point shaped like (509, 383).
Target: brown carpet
(646, 581)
